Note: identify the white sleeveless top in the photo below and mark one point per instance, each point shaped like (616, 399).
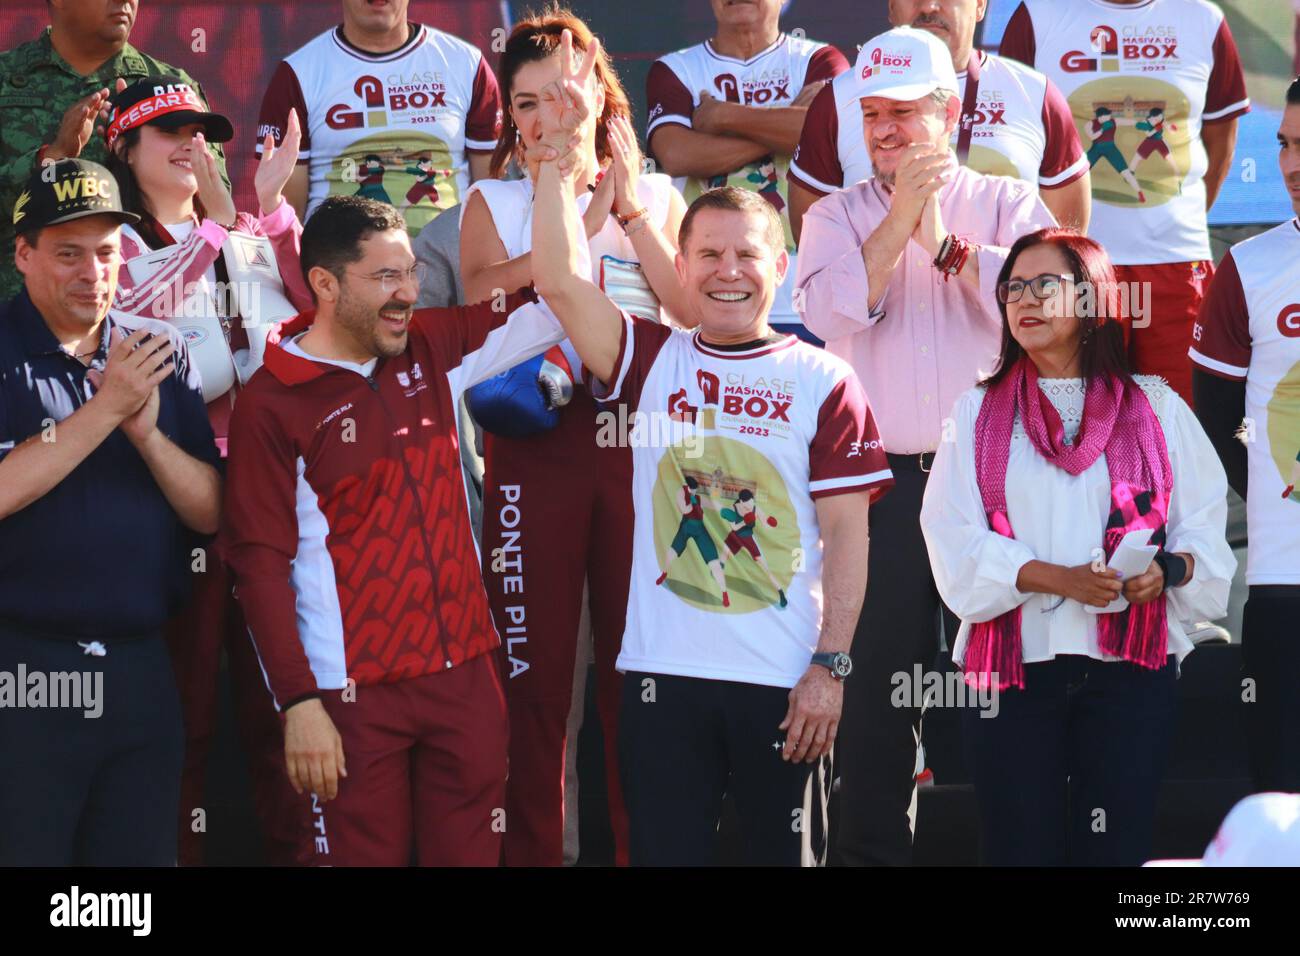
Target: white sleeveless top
(511, 204)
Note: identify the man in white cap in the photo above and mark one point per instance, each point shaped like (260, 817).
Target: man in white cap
(1147, 76)
(897, 274)
(1016, 122)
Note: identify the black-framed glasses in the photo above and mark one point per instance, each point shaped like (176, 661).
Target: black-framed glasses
(392, 279)
(1044, 286)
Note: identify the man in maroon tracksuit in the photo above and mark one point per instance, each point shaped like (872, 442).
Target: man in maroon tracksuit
(348, 533)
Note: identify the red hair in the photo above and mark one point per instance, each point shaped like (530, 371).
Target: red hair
(536, 38)
(1102, 349)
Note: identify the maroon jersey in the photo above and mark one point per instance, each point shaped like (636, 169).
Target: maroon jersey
(346, 523)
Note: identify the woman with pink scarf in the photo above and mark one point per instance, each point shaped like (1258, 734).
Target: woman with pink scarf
(1049, 464)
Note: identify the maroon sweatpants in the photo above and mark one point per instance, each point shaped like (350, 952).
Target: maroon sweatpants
(1159, 345)
(557, 513)
(426, 764)
(210, 621)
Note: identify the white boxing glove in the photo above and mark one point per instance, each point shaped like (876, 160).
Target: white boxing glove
(555, 378)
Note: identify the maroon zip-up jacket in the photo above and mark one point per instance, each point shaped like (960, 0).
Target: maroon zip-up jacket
(346, 519)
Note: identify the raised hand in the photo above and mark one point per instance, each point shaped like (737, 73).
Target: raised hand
(128, 385)
(213, 193)
(602, 202)
(922, 172)
(101, 121)
(625, 164)
(77, 126)
(568, 103)
(930, 231)
(277, 164)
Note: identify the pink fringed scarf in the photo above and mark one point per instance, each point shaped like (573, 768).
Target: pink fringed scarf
(1119, 422)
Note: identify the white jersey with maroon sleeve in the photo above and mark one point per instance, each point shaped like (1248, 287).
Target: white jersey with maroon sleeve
(1141, 80)
(1249, 330)
(1022, 128)
(768, 79)
(730, 449)
(391, 126)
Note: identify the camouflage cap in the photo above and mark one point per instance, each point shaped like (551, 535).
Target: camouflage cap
(66, 190)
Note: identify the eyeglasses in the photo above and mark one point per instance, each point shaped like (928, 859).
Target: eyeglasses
(1044, 286)
(391, 280)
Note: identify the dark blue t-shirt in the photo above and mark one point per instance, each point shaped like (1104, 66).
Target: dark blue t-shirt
(102, 554)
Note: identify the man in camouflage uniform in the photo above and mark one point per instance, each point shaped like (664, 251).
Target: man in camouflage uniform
(51, 91)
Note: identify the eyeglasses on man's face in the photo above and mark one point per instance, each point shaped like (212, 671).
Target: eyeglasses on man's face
(390, 280)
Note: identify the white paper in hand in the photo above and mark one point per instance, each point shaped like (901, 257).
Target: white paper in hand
(1131, 558)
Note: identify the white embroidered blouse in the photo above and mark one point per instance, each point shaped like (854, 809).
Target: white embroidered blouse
(1059, 518)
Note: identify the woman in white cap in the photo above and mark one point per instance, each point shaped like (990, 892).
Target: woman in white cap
(174, 268)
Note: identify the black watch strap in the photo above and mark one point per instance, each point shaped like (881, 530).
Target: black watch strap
(1173, 567)
(837, 662)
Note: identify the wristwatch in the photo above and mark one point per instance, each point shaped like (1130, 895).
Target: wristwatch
(838, 663)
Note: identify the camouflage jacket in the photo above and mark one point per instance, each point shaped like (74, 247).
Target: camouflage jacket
(36, 88)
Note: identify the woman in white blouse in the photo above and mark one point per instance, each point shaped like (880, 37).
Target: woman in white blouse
(1049, 463)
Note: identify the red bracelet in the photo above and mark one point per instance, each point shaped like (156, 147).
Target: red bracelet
(952, 256)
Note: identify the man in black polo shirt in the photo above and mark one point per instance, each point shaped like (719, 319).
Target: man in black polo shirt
(105, 452)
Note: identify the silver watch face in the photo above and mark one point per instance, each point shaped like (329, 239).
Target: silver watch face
(842, 666)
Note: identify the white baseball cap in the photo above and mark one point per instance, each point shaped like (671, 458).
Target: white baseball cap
(901, 64)
(1261, 830)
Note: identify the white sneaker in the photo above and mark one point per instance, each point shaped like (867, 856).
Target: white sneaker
(1207, 632)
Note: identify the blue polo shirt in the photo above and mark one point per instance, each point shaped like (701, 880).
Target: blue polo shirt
(101, 555)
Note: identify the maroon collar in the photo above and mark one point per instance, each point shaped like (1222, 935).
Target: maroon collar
(288, 368)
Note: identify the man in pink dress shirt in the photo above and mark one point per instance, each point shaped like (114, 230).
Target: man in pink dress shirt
(897, 274)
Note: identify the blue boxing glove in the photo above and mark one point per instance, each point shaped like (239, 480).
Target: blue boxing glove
(524, 400)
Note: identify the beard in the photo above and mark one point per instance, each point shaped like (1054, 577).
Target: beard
(363, 324)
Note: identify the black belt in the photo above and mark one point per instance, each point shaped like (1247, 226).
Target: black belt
(921, 462)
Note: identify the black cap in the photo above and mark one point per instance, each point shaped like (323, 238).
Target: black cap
(166, 101)
(67, 190)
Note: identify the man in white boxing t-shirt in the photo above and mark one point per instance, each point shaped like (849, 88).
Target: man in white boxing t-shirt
(728, 112)
(731, 684)
(390, 110)
(1020, 124)
(1141, 77)
(1246, 355)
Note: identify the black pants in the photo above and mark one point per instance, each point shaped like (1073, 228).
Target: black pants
(84, 790)
(1270, 649)
(1069, 769)
(684, 743)
(875, 752)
